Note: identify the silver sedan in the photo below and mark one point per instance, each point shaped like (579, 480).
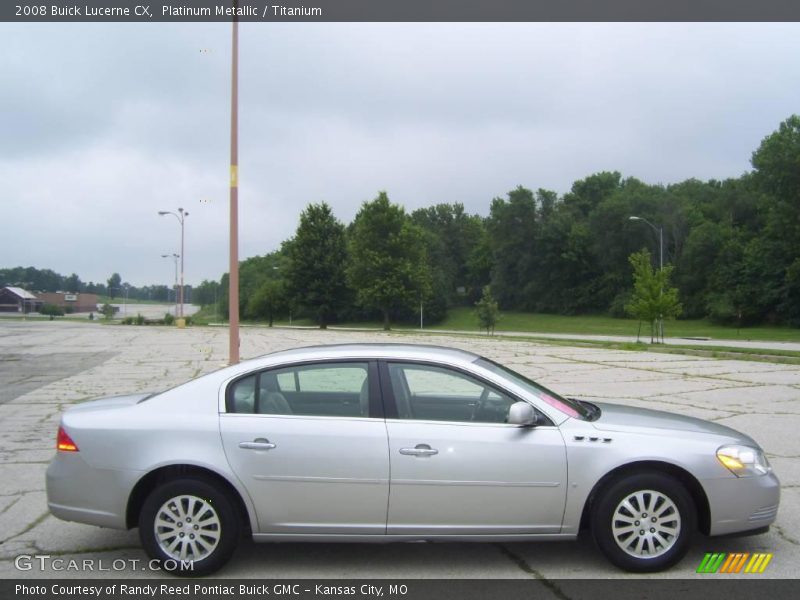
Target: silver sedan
(378, 443)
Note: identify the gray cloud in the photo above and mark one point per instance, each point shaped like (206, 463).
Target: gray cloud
(104, 125)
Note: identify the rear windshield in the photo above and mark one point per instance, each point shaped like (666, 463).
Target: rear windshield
(567, 406)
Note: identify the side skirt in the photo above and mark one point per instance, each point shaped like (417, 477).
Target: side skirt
(383, 539)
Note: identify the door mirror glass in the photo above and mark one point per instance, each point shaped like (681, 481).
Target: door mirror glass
(523, 414)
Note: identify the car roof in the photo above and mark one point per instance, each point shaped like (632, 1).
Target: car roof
(369, 350)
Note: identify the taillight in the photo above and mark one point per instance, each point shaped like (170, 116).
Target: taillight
(64, 443)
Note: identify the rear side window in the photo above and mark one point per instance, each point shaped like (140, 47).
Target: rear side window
(322, 389)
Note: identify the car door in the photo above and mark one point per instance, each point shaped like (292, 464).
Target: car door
(457, 467)
(309, 443)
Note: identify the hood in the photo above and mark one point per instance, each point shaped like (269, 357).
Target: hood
(618, 417)
(110, 402)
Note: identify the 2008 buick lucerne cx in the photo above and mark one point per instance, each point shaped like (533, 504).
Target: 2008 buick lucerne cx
(399, 443)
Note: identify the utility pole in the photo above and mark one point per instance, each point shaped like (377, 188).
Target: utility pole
(233, 282)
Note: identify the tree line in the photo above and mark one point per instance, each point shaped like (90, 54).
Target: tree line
(47, 280)
(732, 249)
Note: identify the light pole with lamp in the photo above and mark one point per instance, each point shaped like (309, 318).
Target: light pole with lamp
(181, 216)
(660, 231)
(175, 258)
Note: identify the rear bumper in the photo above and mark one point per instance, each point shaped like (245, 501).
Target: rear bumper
(742, 504)
(79, 492)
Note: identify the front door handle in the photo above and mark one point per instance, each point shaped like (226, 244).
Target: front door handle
(257, 444)
(419, 450)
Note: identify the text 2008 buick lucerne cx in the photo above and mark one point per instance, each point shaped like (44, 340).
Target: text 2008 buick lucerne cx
(375, 443)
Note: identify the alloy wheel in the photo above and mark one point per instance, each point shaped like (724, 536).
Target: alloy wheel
(646, 524)
(187, 528)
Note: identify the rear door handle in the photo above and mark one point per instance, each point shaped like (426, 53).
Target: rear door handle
(419, 450)
(258, 444)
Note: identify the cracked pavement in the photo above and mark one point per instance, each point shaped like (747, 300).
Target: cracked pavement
(47, 366)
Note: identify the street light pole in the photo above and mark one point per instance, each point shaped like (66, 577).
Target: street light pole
(181, 220)
(175, 289)
(660, 231)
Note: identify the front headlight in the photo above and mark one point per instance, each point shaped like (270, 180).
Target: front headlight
(744, 461)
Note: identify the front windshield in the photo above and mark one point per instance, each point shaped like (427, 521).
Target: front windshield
(565, 405)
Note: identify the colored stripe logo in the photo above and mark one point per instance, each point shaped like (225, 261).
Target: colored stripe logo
(734, 562)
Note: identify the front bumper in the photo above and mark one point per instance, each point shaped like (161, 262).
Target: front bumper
(741, 504)
(79, 492)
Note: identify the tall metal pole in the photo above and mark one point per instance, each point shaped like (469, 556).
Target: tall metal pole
(233, 283)
(180, 210)
(661, 270)
(175, 286)
(181, 219)
(175, 260)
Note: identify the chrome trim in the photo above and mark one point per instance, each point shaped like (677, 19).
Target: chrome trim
(419, 450)
(381, 538)
(476, 483)
(301, 479)
(259, 444)
(766, 512)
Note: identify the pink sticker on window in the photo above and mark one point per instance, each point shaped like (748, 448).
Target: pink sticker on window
(565, 408)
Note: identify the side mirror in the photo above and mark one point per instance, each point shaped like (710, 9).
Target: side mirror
(522, 414)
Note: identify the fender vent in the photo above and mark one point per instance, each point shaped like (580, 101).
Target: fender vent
(583, 438)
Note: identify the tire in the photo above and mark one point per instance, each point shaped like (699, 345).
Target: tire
(207, 544)
(644, 522)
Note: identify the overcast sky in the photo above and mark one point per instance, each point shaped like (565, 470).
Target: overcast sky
(102, 126)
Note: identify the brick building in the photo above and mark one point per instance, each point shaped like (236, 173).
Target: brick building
(70, 302)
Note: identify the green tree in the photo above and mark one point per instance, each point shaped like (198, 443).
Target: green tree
(114, 283)
(487, 311)
(513, 230)
(253, 272)
(268, 301)
(52, 310)
(107, 310)
(73, 283)
(777, 173)
(451, 236)
(206, 293)
(653, 299)
(317, 256)
(388, 265)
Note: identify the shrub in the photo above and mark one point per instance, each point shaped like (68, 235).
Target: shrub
(52, 310)
(108, 311)
(169, 319)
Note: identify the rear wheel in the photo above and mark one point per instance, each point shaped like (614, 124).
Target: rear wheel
(644, 522)
(189, 526)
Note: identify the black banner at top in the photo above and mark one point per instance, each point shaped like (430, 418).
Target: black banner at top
(266, 11)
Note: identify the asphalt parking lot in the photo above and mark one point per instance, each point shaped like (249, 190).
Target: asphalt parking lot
(47, 366)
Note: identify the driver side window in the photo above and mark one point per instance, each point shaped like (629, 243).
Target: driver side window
(429, 393)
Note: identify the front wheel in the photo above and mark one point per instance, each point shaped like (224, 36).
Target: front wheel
(189, 526)
(644, 522)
